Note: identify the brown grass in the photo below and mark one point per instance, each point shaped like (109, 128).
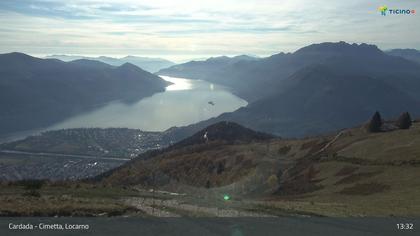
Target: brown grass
(356, 177)
(346, 170)
(365, 189)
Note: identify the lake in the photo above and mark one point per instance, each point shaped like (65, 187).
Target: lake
(184, 102)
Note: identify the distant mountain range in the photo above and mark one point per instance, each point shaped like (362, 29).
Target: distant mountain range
(146, 63)
(319, 88)
(409, 54)
(38, 92)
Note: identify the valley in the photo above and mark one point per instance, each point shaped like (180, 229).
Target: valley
(183, 102)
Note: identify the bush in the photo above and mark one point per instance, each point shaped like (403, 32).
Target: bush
(375, 123)
(404, 121)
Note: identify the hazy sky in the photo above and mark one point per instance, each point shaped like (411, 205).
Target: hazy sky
(181, 29)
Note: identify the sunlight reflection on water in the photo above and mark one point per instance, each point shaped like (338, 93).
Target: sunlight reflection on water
(178, 83)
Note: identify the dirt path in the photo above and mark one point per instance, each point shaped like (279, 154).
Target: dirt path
(173, 208)
(146, 205)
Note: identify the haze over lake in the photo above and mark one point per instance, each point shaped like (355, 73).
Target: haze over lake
(184, 102)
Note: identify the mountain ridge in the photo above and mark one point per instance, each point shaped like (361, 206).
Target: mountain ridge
(36, 92)
(407, 53)
(365, 67)
(146, 63)
(253, 80)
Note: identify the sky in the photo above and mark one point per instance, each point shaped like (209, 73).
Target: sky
(181, 30)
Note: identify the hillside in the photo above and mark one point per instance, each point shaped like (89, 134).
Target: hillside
(38, 92)
(363, 174)
(219, 134)
(149, 64)
(318, 100)
(223, 131)
(351, 173)
(319, 88)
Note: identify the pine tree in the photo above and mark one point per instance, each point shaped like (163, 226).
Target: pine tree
(375, 123)
(404, 121)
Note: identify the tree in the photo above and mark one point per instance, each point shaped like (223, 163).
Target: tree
(404, 121)
(375, 123)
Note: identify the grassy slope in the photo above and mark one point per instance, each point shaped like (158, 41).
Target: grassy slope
(365, 174)
(357, 174)
(360, 174)
(194, 165)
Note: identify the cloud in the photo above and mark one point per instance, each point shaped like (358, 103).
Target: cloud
(185, 27)
(44, 9)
